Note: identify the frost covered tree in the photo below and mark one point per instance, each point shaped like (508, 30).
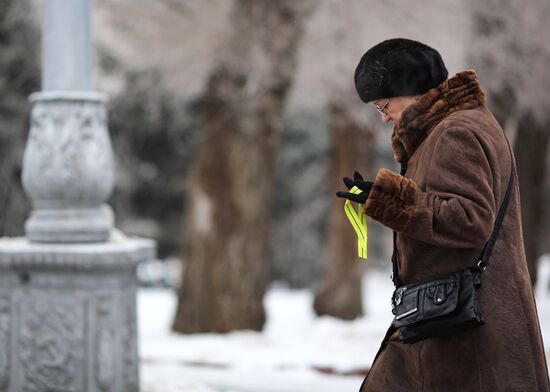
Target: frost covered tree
(352, 148)
(510, 50)
(226, 257)
(153, 136)
(352, 133)
(19, 77)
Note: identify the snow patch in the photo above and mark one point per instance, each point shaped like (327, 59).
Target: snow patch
(283, 357)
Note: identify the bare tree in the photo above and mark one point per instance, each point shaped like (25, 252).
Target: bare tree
(339, 295)
(227, 253)
(511, 51)
(19, 76)
(351, 138)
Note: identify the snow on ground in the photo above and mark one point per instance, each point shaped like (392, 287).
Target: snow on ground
(283, 357)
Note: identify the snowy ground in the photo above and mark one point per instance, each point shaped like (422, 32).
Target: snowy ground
(287, 355)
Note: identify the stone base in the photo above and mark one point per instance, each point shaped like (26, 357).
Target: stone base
(68, 315)
(75, 225)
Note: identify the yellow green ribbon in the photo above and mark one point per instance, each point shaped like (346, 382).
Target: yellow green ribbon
(358, 220)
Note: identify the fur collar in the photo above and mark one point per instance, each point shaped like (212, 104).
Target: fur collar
(460, 92)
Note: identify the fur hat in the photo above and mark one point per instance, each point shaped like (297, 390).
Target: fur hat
(398, 67)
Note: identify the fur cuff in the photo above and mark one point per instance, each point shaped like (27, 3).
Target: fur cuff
(392, 200)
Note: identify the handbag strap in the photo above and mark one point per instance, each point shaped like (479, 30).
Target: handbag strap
(482, 264)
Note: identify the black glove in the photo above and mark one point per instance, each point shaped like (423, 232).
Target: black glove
(357, 181)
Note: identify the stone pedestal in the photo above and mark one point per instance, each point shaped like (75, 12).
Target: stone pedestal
(68, 315)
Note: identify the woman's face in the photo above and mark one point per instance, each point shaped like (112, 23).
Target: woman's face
(392, 108)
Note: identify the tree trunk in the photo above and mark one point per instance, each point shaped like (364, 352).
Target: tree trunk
(226, 258)
(339, 295)
(530, 149)
(511, 56)
(19, 77)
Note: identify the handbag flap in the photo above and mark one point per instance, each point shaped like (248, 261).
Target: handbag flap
(422, 301)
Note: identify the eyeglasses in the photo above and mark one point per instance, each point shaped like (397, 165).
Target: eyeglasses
(383, 109)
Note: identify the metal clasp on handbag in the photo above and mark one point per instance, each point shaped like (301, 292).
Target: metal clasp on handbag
(397, 296)
(480, 266)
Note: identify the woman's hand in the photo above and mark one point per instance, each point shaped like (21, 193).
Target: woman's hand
(357, 181)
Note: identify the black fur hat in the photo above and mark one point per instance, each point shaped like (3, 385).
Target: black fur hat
(398, 67)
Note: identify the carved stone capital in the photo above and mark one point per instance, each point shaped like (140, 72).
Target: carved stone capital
(68, 168)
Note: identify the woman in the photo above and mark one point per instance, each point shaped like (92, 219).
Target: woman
(455, 170)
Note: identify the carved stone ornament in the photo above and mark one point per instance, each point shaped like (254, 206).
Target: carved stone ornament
(130, 369)
(51, 341)
(68, 168)
(105, 343)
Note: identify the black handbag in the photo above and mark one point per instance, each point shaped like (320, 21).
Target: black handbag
(438, 307)
(449, 303)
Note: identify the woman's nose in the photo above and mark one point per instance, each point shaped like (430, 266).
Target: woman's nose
(385, 118)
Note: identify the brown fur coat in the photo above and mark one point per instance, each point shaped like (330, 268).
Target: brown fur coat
(443, 210)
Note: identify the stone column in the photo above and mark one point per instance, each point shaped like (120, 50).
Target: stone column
(67, 167)
(67, 56)
(67, 289)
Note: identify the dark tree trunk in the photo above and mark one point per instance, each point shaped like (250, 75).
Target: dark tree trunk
(339, 295)
(530, 149)
(510, 53)
(227, 254)
(19, 77)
